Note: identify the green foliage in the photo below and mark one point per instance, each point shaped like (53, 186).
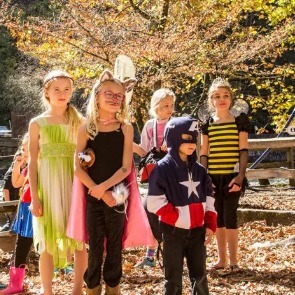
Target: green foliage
(183, 45)
(32, 8)
(19, 80)
(8, 61)
(7, 53)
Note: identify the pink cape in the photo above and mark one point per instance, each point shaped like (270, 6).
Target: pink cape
(137, 230)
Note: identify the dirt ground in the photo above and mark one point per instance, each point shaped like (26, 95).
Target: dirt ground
(263, 270)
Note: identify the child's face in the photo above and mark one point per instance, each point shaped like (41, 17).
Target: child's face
(110, 97)
(221, 99)
(187, 149)
(24, 154)
(165, 108)
(59, 92)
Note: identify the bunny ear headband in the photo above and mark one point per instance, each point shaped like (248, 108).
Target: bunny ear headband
(108, 76)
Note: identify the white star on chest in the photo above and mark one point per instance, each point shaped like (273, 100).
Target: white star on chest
(191, 186)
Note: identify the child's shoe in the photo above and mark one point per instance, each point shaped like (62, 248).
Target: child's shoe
(94, 291)
(113, 290)
(146, 262)
(69, 269)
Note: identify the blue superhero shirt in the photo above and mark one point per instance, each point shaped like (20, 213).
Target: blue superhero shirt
(181, 193)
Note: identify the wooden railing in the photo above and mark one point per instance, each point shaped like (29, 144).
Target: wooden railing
(278, 169)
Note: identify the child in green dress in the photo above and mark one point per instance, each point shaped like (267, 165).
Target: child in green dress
(52, 143)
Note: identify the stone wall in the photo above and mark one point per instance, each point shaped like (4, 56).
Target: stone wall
(8, 146)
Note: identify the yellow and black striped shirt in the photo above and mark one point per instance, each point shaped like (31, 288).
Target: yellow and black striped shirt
(223, 147)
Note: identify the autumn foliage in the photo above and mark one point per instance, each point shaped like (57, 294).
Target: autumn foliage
(177, 44)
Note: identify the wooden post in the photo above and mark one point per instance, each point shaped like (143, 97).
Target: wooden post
(290, 158)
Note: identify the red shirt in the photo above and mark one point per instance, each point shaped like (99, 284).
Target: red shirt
(25, 192)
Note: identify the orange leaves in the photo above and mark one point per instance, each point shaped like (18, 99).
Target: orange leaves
(170, 42)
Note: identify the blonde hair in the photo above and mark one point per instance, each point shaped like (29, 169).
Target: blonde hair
(92, 112)
(25, 139)
(157, 97)
(216, 84)
(73, 116)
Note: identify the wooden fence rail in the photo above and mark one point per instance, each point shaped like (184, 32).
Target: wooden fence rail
(286, 169)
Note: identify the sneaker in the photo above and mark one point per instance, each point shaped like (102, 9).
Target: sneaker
(68, 269)
(146, 262)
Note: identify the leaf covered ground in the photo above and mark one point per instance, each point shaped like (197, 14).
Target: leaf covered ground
(278, 197)
(264, 271)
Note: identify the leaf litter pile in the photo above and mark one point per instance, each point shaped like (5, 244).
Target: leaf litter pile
(266, 259)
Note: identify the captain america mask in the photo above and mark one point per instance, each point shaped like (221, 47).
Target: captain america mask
(177, 128)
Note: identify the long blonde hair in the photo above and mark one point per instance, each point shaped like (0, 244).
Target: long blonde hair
(74, 118)
(92, 113)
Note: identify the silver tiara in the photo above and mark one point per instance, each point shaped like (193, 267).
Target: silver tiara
(220, 81)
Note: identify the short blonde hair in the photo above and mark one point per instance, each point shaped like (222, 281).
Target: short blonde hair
(157, 97)
(25, 139)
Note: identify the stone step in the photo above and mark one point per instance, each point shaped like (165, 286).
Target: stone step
(271, 217)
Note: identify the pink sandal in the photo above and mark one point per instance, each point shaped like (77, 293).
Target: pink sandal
(41, 292)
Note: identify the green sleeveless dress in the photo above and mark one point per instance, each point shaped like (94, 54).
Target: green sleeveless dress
(55, 178)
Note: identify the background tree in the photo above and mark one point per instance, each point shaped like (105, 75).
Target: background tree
(177, 44)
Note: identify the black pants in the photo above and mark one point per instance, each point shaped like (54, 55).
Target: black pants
(153, 221)
(177, 245)
(22, 249)
(226, 203)
(104, 222)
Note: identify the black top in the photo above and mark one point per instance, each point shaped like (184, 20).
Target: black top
(13, 192)
(108, 148)
(242, 122)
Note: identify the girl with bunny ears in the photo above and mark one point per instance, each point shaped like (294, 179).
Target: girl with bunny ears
(108, 133)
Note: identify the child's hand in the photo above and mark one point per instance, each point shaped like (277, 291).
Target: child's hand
(19, 160)
(139, 150)
(208, 236)
(164, 147)
(109, 199)
(36, 208)
(97, 191)
(235, 184)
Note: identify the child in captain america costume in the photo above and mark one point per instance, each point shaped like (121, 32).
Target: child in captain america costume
(181, 195)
